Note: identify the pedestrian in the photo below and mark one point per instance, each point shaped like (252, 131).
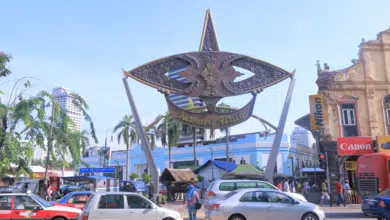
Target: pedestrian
(340, 196)
(306, 189)
(190, 200)
(280, 185)
(347, 192)
(292, 186)
(286, 186)
(90, 186)
(324, 190)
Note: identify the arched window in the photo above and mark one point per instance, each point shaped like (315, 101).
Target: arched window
(386, 105)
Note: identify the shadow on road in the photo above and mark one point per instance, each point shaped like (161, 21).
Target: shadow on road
(345, 215)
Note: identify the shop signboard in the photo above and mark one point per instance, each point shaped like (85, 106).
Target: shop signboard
(318, 113)
(354, 145)
(383, 143)
(350, 165)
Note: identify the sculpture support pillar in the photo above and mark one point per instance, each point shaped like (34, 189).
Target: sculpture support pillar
(152, 166)
(279, 132)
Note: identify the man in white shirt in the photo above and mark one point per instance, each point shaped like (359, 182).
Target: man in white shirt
(286, 186)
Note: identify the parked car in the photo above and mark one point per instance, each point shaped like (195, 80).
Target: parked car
(30, 206)
(261, 204)
(73, 199)
(123, 206)
(133, 186)
(219, 188)
(71, 188)
(376, 205)
(126, 186)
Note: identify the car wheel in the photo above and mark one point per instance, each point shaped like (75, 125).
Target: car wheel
(58, 218)
(309, 216)
(237, 217)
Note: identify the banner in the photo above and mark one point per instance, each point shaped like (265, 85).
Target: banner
(318, 113)
(350, 165)
(354, 145)
(383, 143)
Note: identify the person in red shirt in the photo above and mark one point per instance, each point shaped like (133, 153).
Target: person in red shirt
(339, 189)
(280, 185)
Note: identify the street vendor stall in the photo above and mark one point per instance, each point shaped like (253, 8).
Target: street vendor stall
(176, 181)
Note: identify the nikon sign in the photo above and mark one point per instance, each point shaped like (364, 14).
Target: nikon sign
(318, 115)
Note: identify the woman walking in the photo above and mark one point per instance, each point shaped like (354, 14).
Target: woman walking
(190, 201)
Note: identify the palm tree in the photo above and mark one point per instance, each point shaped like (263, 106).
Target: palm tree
(84, 141)
(226, 130)
(151, 136)
(129, 135)
(170, 132)
(189, 130)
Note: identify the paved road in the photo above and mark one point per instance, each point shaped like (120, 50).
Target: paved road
(348, 213)
(351, 212)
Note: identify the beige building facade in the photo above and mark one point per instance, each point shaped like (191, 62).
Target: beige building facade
(357, 98)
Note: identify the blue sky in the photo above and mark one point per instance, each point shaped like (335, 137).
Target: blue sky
(83, 45)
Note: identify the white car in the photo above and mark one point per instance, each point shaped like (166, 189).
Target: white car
(124, 206)
(261, 204)
(219, 188)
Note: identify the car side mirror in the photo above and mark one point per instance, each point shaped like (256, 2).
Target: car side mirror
(295, 202)
(149, 206)
(37, 208)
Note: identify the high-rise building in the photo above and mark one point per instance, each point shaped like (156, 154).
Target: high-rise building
(182, 101)
(64, 97)
(302, 137)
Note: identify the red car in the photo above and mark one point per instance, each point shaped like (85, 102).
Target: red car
(74, 199)
(30, 206)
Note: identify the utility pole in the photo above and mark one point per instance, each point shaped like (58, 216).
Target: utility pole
(227, 145)
(49, 141)
(328, 177)
(212, 165)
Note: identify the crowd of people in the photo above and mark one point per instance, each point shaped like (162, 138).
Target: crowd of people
(344, 191)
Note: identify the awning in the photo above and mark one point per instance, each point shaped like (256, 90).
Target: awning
(312, 170)
(79, 179)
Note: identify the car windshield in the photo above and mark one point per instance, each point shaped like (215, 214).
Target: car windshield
(88, 204)
(228, 195)
(41, 201)
(139, 184)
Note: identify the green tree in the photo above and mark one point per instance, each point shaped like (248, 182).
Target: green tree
(170, 131)
(134, 176)
(4, 61)
(146, 178)
(24, 122)
(129, 135)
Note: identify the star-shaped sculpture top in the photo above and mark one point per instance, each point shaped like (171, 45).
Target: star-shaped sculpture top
(209, 41)
(210, 75)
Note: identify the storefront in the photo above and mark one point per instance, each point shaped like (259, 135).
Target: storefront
(349, 150)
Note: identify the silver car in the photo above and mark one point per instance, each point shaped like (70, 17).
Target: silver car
(261, 204)
(219, 188)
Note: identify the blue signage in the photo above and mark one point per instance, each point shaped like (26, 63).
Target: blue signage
(98, 170)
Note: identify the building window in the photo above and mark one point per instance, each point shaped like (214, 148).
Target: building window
(386, 105)
(348, 120)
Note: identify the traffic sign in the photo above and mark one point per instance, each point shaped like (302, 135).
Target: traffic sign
(98, 170)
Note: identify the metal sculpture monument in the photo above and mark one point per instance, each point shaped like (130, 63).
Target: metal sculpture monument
(210, 75)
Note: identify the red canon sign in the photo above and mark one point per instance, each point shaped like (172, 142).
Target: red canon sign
(355, 145)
